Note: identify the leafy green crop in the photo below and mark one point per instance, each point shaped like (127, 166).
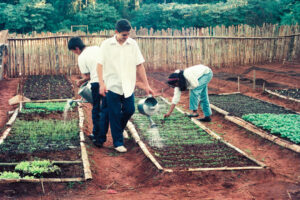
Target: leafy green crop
(50, 106)
(284, 125)
(37, 168)
(33, 136)
(9, 175)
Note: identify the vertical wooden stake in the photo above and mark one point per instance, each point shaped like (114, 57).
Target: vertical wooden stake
(49, 91)
(254, 85)
(264, 86)
(238, 83)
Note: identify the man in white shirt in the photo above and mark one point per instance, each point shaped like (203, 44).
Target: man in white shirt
(195, 79)
(120, 61)
(87, 62)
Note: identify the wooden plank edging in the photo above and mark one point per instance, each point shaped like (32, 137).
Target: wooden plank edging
(13, 117)
(45, 101)
(54, 162)
(137, 139)
(41, 180)
(281, 96)
(84, 156)
(264, 134)
(4, 135)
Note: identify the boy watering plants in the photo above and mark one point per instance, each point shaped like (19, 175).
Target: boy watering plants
(195, 79)
(120, 61)
(87, 62)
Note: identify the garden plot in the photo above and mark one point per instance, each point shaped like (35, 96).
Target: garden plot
(42, 87)
(177, 143)
(277, 124)
(291, 94)
(44, 144)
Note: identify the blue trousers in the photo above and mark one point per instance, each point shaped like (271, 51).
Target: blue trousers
(200, 93)
(120, 109)
(99, 115)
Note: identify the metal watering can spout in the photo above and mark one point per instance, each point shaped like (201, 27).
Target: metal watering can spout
(71, 101)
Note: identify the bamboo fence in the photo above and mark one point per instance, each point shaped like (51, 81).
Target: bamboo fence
(220, 46)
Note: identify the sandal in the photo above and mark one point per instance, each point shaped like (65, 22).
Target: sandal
(192, 115)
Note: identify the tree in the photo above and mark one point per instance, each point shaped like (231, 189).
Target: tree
(98, 17)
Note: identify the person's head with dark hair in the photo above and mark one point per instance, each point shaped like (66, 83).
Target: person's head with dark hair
(123, 25)
(173, 80)
(123, 28)
(177, 80)
(76, 45)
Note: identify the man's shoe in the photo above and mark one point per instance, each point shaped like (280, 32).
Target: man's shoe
(193, 115)
(98, 144)
(91, 136)
(121, 149)
(205, 119)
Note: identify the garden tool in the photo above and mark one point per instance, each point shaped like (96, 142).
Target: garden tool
(148, 106)
(85, 92)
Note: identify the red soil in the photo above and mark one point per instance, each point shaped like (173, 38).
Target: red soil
(133, 176)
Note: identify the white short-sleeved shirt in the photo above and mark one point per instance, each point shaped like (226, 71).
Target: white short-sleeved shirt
(191, 74)
(119, 65)
(87, 62)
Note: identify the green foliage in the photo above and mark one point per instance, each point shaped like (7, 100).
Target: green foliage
(9, 175)
(292, 13)
(25, 16)
(284, 125)
(50, 106)
(43, 135)
(37, 168)
(97, 17)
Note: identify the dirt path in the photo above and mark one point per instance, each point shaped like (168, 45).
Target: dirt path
(8, 89)
(133, 176)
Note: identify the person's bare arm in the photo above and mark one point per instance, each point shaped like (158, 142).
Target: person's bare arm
(141, 73)
(103, 89)
(85, 77)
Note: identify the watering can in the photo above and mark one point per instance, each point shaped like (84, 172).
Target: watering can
(148, 106)
(85, 92)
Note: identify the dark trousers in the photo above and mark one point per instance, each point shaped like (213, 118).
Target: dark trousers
(96, 108)
(120, 109)
(104, 122)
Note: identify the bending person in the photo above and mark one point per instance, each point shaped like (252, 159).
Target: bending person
(195, 79)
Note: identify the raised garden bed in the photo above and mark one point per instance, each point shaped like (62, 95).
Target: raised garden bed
(239, 105)
(291, 94)
(179, 144)
(260, 114)
(42, 87)
(41, 134)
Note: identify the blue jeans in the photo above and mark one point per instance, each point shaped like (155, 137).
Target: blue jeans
(99, 115)
(200, 93)
(120, 109)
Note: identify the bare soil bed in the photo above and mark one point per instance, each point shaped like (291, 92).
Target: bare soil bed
(41, 87)
(132, 175)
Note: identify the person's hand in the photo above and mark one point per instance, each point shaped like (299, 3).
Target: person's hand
(149, 90)
(78, 82)
(167, 115)
(103, 90)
